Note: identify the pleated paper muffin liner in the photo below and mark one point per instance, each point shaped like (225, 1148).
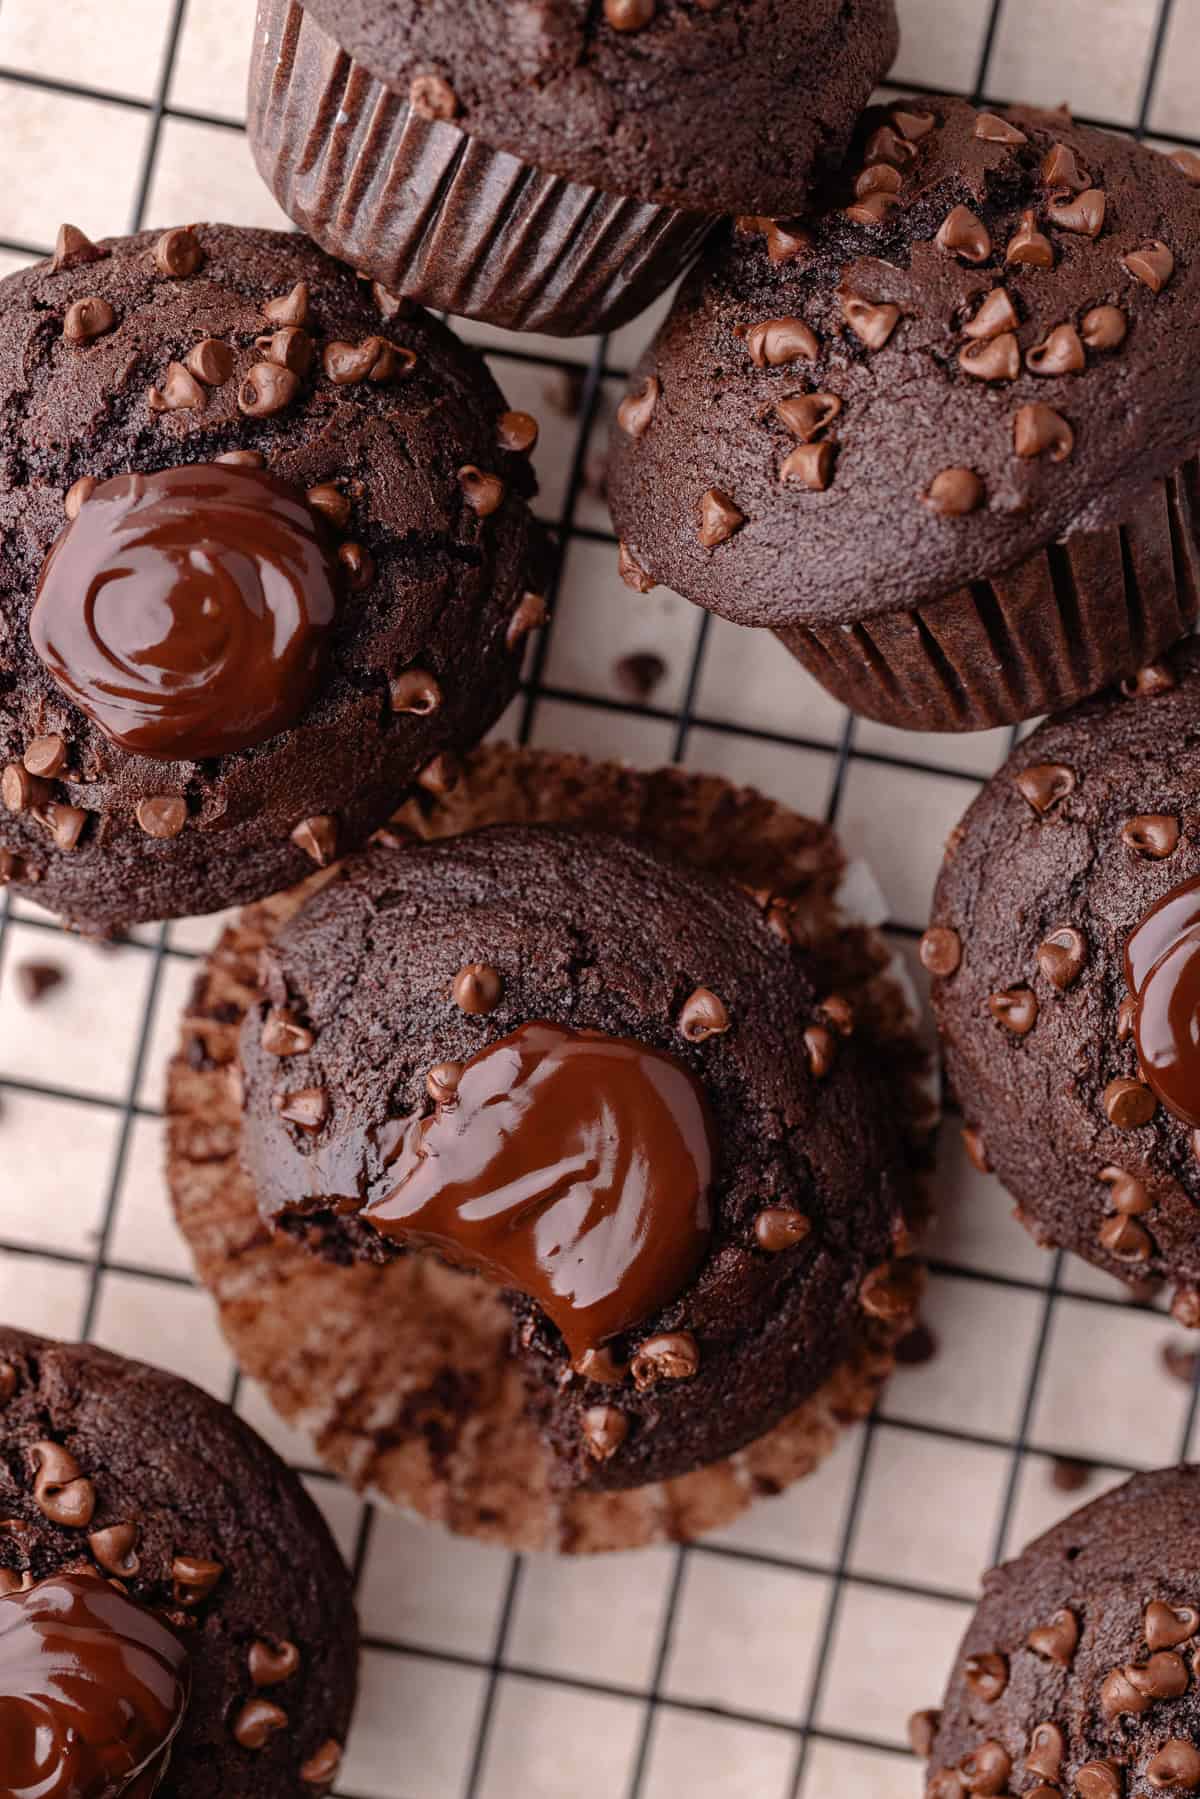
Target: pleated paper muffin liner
(1064, 624)
(434, 214)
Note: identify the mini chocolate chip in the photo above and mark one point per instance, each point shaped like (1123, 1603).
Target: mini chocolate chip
(1104, 328)
(1045, 784)
(178, 253)
(322, 1766)
(806, 416)
(290, 308)
(821, 1047)
(1057, 1640)
(431, 97)
(963, 234)
(60, 1491)
(1062, 956)
(180, 392)
(88, 319)
(1038, 429)
(1152, 265)
(243, 458)
(976, 1151)
(1127, 1104)
(1068, 1476)
(1061, 353)
(306, 1107)
(922, 1732)
(719, 518)
(986, 1770)
(604, 1431)
(530, 615)
(416, 691)
(72, 249)
(674, 1355)
(996, 316)
(442, 1083)
(775, 343)
(211, 361)
(780, 1227)
(21, 791)
(1149, 682)
(484, 493)
(1126, 1193)
(955, 492)
(162, 815)
(703, 1015)
(986, 1675)
(331, 503)
(477, 988)
(272, 1663)
(517, 431)
(992, 358)
(891, 1291)
(114, 1549)
(872, 324)
(1167, 1626)
(1098, 1780)
(1016, 1008)
(1154, 835)
(1177, 1764)
(1124, 1239)
(78, 495)
(631, 570)
(290, 347)
(267, 389)
(639, 674)
(46, 756)
(873, 208)
(257, 1722)
(810, 464)
(441, 774)
(317, 837)
(1084, 213)
(64, 823)
(284, 1035)
(1046, 1752)
(359, 565)
(637, 409)
(994, 130)
(1030, 246)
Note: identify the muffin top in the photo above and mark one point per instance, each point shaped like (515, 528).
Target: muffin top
(1078, 1671)
(604, 1079)
(293, 545)
(974, 349)
(1061, 957)
(705, 104)
(226, 1581)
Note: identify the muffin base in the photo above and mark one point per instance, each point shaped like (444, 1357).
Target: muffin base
(1064, 624)
(402, 1373)
(434, 214)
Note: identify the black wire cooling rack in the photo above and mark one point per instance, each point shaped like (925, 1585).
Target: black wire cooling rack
(875, 1752)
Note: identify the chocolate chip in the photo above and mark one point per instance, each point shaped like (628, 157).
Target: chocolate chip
(180, 392)
(1046, 1752)
(114, 1550)
(986, 1770)
(290, 308)
(306, 1107)
(529, 615)
(703, 1015)
(838, 1013)
(1060, 169)
(8, 1382)
(639, 674)
(1185, 1308)
(257, 1722)
(484, 493)
(162, 815)
(1083, 214)
(442, 1083)
(891, 1291)
(64, 823)
(785, 240)
(1163, 1676)
(72, 249)
(601, 1366)
(331, 503)
(21, 791)
(631, 570)
(992, 358)
(211, 361)
(477, 988)
(1057, 1640)
(887, 145)
(1154, 835)
(1149, 682)
(872, 324)
(1029, 246)
(177, 253)
(1038, 429)
(1188, 164)
(1167, 1626)
(243, 458)
(441, 774)
(270, 1664)
(88, 319)
(963, 234)
(637, 409)
(674, 1355)
(1127, 1104)
(416, 691)
(878, 178)
(60, 1491)
(1016, 1008)
(1067, 1476)
(1045, 784)
(78, 495)
(995, 130)
(1098, 1780)
(1119, 1697)
(322, 1766)
(1177, 1764)
(1182, 1365)
(944, 1783)
(1061, 353)
(873, 208)
(1152, 265)
(267, 389)
(719, 518)
(810, 464)
(193, 1578)
(284, 1035)
(996, 316)
(806, 416)
(35, 979)
(821, 1048)
(987, 1676)
(431, 97)
(922, 1732)
(913, 125)
(1126, 1193)
(774, 343)
(46, 756)
(359, 565)
(604, 1431)
(288, 348)
(317, 837)
(976, 1151)
(518, 432)
(954, 493)
(1062, 956)
(1126, 1018)
(780, 1227)
(1124, 1239)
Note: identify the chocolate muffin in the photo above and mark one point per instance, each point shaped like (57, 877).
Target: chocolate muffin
(551, 165)
(265, 561)
(1063, 951)
(170, 1598)
(1078, 1672)
(942, 436)
(701, 1117)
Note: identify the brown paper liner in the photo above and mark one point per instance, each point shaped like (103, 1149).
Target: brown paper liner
(402, 1374)
(436, 215)
(1066, 623)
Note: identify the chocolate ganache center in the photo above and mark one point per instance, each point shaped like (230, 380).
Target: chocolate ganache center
(571, 1165)
(1162, 967)
(93, 1689)
(186, 611)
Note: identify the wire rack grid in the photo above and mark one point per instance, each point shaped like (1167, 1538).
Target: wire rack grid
(779, 1659)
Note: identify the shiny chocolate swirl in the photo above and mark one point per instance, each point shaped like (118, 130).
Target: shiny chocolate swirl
(1162, 967)
(186, 612)
(93, 1689)
(570, 1165)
